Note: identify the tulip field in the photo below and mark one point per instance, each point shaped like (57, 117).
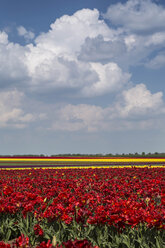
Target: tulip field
(87, 162)
(92, 206)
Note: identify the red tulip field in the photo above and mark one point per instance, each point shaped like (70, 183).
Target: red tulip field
(99, 207)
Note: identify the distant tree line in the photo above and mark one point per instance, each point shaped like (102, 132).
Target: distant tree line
(25, 155)
(143, 154)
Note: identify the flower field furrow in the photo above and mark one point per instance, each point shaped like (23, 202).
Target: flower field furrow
(81, 204)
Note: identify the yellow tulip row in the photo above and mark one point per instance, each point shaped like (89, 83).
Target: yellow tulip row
(112, 160)
(87, 167)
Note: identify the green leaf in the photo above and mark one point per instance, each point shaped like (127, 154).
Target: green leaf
(157, 243)
(8, 235)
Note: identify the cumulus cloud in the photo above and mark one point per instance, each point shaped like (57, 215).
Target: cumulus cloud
(52, 63)
(137, 15)
(49, 72)
(68, 33)
(99, 50)
(135, 108)
(77, 117)
(28, 35)
(79, 52)
(140, 101)
(110, 78)
(124, 49)
(82, 57)
(11, 113)
(12, 66)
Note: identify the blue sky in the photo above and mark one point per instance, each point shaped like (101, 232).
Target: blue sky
(82, 76)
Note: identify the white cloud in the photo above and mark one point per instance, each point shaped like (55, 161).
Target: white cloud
(140, 101)
(12, 66)
(110, 78)
(131, 42)
(28, 35)
(157, 39)
(136, 108)
(137, 15)
(157, 62)
(99, 50)
(68, 33)
(11, 113)
(79, 53)
(3, 38)
(52, 63)
(49, 72)
(77, 117)
(125, 49)
(140, 48)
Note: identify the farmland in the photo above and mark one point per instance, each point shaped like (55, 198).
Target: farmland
(61, 162)
(92, 207)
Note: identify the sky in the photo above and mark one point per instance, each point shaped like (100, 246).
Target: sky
(82, 76)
